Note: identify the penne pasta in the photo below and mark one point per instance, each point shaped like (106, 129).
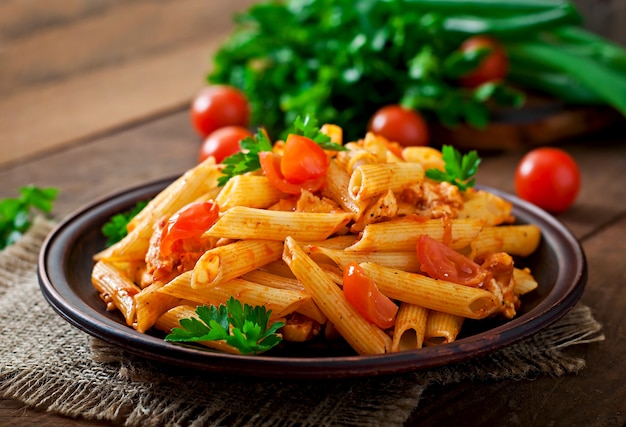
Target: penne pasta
(281, 301)
(248, 223)
(442, 328)
(474, 303)
(363, 336)
(520, 240)
(403, 234)
(253, 191)
(408, 333)
(372, 179)
(115, 289)
(227, 262)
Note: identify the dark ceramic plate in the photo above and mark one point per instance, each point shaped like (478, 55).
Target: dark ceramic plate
(64, 273)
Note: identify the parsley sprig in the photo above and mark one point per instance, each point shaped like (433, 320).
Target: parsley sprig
(242, 327)
(459, 169)
(16, 214)
(247, 160)
(115, 228)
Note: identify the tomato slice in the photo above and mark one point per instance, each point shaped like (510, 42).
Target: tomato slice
(190, 221)
(271, 163)
(442, 262)
(303, 160)
(363, 294)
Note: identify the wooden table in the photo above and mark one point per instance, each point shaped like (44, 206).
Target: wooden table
(123, 121)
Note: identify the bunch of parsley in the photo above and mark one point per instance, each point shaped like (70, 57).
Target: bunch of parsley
(343, 59)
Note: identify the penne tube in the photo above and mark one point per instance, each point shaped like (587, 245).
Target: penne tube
(363, 336)
(524, 281)
(442, 328)
(115, 289)
(402, 260)
(171, 319)
(439, 295)
(336, 189)
(150, 305)
(520, 240)
(253, 191)
(281, 301)
(249, 223)
(403, 234)
(369, 180)
(265, 278)
(227, 262)
(408, 333)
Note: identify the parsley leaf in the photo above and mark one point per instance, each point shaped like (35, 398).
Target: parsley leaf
(309, 127)
(16, 213)
(459, 169)
(241, 326)
(246, 160)
(115, 229)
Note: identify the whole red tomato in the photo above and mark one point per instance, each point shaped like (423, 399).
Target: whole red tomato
(223, 142)
(549, 178)
(218, 106)
(494, 67)
(398, 124)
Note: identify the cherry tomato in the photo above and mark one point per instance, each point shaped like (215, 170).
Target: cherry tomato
(271, 165)
(190, 221)
(218, 106)
(363, 294)
(303, 160)
(399, 124)
(549, 178)
(223, 142)
(494, 67)
(442, 262)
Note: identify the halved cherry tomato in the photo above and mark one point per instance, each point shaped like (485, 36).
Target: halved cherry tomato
(190, 221)
(363, 294)
(442, 262)
(494, 67)
(549, 178)
(303, 160)
(218, 106)
(223, 142)
(399, 124)
(271, 165)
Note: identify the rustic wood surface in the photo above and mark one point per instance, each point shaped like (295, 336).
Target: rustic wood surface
(94, 99)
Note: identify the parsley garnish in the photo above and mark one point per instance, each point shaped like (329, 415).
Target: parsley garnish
(16, 215)
(459, 169)
(309, 127)
(115, 229)
(242, 327)
(247, 160)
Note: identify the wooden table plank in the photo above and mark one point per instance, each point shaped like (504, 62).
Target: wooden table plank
(114, 87)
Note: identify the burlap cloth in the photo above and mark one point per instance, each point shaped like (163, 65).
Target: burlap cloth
(48, 364)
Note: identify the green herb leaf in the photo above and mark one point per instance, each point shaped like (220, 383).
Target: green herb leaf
(309, 127)
(16, 213)
(459, 169)
(246, 160)
(116, 228)
(241, 326)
